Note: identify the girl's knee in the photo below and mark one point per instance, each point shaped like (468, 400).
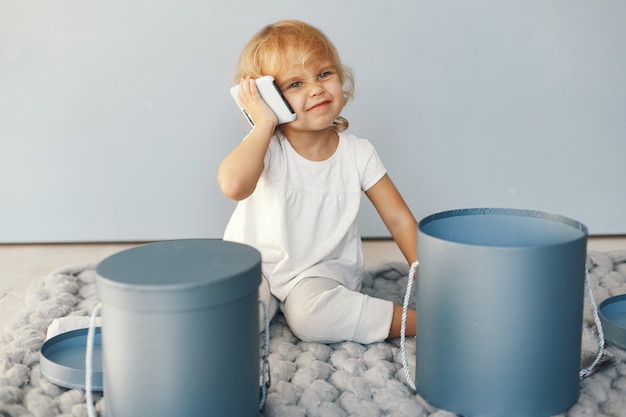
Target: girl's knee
(310, 328)
(310, 310)
(337, 314)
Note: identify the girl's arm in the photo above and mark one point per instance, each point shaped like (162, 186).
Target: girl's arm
(396, 215)
(240, 170)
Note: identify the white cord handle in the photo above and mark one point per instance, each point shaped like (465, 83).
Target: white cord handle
(265, 372)
(584, 373)
(91, 410)
(405, 309)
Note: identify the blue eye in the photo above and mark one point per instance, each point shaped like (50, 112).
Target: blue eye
(295, 85)
(324, 74)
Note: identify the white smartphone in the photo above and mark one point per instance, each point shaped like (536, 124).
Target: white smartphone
(271, 94)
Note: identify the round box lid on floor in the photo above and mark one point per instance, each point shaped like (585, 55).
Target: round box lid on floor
(62, 359)
(613, 318)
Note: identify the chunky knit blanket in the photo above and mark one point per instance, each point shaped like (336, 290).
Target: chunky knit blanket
(308, 379)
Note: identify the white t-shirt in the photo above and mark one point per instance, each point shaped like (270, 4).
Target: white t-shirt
(302, 216)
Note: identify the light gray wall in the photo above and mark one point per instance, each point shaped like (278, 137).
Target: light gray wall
(114, 115)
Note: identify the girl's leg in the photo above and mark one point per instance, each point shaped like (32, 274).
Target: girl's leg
(323, 310)
(396, 322)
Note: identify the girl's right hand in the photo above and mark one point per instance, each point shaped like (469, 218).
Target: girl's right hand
(254, 105)
(241, 169)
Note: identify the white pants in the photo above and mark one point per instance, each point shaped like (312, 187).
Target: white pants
(322, 310)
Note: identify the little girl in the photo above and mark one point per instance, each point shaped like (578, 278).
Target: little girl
(299, 189)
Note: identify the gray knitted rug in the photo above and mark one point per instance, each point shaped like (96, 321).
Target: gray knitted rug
(308, 379)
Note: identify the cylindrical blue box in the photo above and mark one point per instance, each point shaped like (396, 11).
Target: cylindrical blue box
(499, 311)
(180, 329)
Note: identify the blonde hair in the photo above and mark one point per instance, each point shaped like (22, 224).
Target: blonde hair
(288, 42)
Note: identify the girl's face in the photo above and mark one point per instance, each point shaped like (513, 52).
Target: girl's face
(315, 94)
